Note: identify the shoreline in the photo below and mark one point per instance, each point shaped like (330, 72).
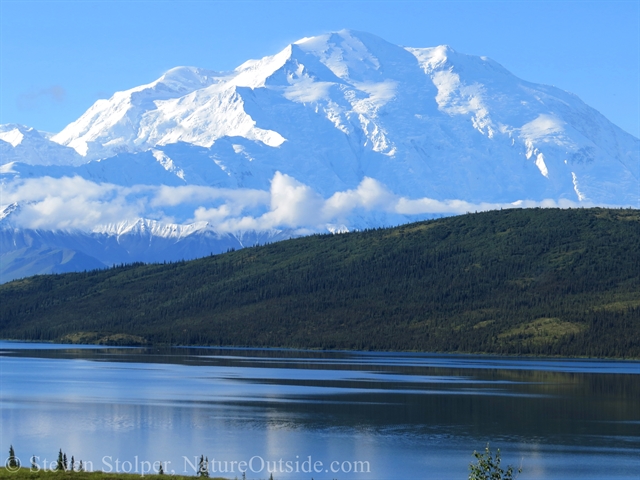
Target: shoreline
(88, 346)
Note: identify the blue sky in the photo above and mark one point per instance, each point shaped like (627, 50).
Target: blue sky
(57, 58)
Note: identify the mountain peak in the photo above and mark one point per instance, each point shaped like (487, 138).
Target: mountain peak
(19, 143)
(148, 227)
(334, 132)
(187, 78)
(111, 126)
(7, 211)
(352, 55)
(332, 109)
(13, 133)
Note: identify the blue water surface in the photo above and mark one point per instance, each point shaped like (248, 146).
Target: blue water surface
(321, 415)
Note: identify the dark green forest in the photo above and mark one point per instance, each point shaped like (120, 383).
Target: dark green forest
(518, 281)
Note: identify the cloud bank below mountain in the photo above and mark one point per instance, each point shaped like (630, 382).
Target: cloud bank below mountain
(70, 203)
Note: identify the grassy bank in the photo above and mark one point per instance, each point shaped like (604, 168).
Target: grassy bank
(26, 474)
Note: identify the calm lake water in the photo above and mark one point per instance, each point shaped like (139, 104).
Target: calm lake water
(324, 414)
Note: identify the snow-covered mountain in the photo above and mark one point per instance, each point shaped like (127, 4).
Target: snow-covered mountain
(27, 252)
(338, 131)
(31, 147)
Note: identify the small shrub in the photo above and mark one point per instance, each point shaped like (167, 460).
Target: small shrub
(487, 467)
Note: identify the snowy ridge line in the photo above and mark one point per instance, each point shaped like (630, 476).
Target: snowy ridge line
(342, 131)
(333, 109)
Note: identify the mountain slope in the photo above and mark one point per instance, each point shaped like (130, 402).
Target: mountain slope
(27, 252)
(107, 124)
(26, 145)
(332, 109)
(531, 281)
(337, 132)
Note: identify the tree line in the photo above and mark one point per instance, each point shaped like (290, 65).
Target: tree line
(520, 281)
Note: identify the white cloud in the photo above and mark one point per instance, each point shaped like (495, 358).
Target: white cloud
(419, 206)
(370, 195)
(213, 215)
(292, 204)
(76, 203)
(173, 196)
(70, 203)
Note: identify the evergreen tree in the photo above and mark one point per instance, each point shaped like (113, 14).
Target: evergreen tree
(34, 465)
(73, 462)
(60, 462)
(11, 461)
(80, 467)
(203, 467)
(161, 470)
(64, 461)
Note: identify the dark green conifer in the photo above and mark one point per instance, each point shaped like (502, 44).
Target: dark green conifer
(203, 467)
(11, 461)
(60, 462)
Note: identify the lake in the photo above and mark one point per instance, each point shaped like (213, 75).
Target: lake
(321, 415)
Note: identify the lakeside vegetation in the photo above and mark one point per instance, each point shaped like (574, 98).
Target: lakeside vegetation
(27, 474)
(486, 467)
(521, 281)
(68, 467)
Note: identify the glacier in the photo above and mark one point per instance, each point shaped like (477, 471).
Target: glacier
(336, 132)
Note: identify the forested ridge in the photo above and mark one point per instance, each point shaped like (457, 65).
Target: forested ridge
(518, 281)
